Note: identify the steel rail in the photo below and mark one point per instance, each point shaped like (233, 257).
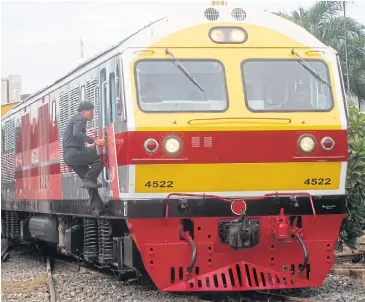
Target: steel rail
(52, 292)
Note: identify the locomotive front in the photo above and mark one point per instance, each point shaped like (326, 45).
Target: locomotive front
(237, 159)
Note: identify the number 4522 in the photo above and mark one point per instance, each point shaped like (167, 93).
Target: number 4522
(159, 184)
(318, 181)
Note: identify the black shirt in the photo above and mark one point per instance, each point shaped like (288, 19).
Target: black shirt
(75, 133)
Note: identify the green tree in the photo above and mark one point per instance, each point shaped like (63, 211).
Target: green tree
(354, 222)
(326, 22)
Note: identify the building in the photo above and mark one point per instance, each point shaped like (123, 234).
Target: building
(4, 91)
(23, 97)
(11, 89)
(7, 107)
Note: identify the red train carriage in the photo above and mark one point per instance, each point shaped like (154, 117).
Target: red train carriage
(215, 178)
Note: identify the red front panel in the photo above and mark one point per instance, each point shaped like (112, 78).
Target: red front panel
(165, 255)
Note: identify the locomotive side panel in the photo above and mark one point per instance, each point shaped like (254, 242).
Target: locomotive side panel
(98, 86)
(69, 98)
(36, 163)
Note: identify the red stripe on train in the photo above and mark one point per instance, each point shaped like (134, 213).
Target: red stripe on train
(37, 171)
(230, 147)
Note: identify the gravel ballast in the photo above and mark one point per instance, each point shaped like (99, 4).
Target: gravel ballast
(24, 278)
(334, 288)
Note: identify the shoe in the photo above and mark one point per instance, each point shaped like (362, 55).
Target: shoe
(87, 183)
(97, 212)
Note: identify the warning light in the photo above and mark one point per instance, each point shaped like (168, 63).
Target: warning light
(238, 206)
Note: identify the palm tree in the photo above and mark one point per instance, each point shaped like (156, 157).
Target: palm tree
(326, 22)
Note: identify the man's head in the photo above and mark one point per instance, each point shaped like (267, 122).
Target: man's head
(86, 109)
(302, 92)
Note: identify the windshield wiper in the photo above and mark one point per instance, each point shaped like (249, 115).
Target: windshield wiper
(184, 71)
(310, 69)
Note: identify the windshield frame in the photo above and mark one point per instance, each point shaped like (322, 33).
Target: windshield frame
(181, 60)
(330, 81)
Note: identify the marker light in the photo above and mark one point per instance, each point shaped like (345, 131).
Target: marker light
(327, 143)
(172, 145)
(238, 206)
(307, 143)
(228, 35)
(151, 145)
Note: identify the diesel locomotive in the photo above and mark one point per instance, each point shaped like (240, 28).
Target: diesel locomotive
(225, 162)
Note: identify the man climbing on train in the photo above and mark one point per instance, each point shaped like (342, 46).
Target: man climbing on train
(75, 154)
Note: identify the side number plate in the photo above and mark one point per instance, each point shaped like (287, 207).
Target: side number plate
(159, 184)
(318, 181)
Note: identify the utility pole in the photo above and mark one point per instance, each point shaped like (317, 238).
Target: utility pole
(82, 49)
(347, 64)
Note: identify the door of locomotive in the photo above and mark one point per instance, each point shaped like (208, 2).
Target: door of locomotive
(108, 98)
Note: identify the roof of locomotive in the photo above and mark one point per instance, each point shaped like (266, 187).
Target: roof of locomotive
(144, 38)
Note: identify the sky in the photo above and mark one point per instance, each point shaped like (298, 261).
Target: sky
(41, 40)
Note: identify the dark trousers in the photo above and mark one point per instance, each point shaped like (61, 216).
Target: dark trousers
(80, 159)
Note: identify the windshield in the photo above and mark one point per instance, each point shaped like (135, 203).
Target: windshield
(163, 87)
(284, 85)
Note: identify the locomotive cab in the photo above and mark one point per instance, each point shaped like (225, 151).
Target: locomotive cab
(225, 112)
(246, 111)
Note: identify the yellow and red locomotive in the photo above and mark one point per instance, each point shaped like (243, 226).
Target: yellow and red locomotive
(225, 163)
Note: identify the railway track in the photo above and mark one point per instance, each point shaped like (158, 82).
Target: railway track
(52, 292)
(350, 258)
(5, 250)
(254, 296)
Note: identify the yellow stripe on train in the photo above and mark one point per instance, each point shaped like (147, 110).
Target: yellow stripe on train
(161, 178)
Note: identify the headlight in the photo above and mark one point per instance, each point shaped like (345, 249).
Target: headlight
(172, 145)
(228, 35)
(307, 143)
(237, 36)
(217, 35)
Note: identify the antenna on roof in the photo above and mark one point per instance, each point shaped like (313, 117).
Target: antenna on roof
(82, 48)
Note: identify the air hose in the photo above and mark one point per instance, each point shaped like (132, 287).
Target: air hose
(186, 236)
(301, 268)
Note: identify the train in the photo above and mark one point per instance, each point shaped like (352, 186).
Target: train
(225, 160)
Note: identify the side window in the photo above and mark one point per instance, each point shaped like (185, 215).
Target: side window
(112, 97)
(103, 95)
(119, 94)
(343, 91)
(54, 111)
